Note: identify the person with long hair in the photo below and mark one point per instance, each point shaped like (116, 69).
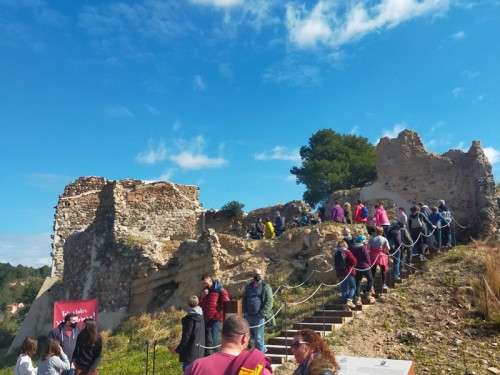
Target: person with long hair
(24, 366)
(53, 359)
(307, 348)
(88, 350)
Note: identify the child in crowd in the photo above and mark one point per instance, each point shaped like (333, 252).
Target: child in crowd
(193, 335)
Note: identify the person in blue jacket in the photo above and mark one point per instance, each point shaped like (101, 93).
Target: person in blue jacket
(67, 332)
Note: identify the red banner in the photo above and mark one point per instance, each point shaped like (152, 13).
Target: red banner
(83, 308)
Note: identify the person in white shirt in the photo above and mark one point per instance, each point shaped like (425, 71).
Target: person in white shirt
(24, 366)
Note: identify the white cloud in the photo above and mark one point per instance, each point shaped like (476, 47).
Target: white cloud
(457, 92)
(329, 24)
(479, 98)
(458, 35)
(354, 130)
(167, 175)
(118, 111)
(177, 125)
(279, 153)
(27, 249)
(191, 155)
(198, 84)
(156, 152)
(188, 160)
(294, 71)
(291, 178)
(152, 110)
(394, 132)
(470, 74)
(492, 154)
(460, 146)
(218, 3)
(438, 125)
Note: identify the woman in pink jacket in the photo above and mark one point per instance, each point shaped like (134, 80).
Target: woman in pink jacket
(381, 219)
(379, 247)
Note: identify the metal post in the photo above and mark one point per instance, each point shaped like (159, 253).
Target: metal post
(147, 356)
(154, 355)
(286, 336)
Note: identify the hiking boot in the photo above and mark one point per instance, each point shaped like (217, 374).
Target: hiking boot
(350, 304)
(423, 258)
(385, 287)
(358, 301)
(397, 278)
(372, 292)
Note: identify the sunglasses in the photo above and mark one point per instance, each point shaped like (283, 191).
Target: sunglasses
(297, 344)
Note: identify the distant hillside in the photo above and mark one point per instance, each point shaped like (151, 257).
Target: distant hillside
(13, 281)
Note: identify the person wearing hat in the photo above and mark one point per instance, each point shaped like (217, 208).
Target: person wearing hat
(363, 269)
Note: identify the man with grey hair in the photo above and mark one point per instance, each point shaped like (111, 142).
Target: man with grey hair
(233, 355)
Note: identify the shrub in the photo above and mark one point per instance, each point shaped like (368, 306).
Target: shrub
(233, 210)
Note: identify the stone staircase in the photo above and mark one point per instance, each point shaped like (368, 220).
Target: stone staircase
(330, 317)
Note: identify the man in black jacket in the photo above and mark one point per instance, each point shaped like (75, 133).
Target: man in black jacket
(67, 332)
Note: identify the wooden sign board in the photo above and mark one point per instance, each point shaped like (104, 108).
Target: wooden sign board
(374, 366)
(232, 308)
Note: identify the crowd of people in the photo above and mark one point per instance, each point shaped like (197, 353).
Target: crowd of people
(69, 350)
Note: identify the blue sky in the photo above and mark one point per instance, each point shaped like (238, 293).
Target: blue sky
(223, 93)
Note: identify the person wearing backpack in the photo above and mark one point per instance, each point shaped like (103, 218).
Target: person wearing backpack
(360, 213)
(257, 305)
(417, 222)
(344, 263)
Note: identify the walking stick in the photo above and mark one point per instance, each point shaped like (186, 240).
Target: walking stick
(154, 355)
(147, 355)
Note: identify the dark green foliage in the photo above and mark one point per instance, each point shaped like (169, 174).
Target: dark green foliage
(8, 329)
(334, 162)
(233, 210)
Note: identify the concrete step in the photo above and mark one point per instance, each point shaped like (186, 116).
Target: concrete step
(278, 349)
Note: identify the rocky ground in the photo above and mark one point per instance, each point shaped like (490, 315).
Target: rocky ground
(431, 319)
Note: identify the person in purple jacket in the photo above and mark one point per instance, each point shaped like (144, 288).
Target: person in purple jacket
(363, 269)
(337, 214)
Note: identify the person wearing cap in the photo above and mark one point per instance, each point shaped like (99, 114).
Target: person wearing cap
(363, 269)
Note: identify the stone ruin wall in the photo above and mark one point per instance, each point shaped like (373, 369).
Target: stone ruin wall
(127, 230)
(75, 211)
(464, 180)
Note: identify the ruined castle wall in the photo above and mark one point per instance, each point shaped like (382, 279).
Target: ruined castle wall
(75, 211)
(463, 180)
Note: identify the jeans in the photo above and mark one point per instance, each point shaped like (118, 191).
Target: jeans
(257, 334)
(68, 372)
(446, 235)
(348, 283)
(397, 257)
(212, 329)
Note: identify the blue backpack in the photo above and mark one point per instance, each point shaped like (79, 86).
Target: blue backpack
(364, 212)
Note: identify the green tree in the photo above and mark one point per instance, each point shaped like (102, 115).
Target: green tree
(334, 161)
(233, 209)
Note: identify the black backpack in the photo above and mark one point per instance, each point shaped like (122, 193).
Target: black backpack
(339, 260)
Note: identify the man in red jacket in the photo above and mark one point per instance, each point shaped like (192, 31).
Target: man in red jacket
(357, 213)
(212, 299)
